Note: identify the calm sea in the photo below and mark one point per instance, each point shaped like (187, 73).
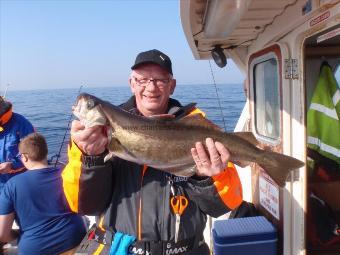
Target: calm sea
(50, 110)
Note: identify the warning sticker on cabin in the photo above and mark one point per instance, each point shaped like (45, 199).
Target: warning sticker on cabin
(269, 196)
(320, 18)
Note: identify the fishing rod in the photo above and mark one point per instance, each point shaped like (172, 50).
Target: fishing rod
(218, 98)
(4, 96)
(67, 129)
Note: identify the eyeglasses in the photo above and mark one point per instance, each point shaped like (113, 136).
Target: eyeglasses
(160, 83)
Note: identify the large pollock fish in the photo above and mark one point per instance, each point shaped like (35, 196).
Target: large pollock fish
(165, 143)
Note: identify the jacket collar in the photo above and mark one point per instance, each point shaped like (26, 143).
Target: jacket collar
(4, 118)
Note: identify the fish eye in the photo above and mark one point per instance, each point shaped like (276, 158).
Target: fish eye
(90, 104)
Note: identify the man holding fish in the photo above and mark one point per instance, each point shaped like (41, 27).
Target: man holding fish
(135, 170)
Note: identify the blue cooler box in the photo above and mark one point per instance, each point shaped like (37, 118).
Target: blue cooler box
(244, 236)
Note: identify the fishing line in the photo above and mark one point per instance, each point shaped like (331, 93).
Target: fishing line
(67, 129)
(210, 223)
(4, 96)
(218, 98)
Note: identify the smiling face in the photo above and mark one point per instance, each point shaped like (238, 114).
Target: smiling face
(151, 99)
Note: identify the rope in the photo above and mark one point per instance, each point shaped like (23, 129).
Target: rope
(217, 96)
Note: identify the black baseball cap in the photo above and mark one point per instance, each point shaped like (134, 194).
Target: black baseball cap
(153, 56)
(4, 105)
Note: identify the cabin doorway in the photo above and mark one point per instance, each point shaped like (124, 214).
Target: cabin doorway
(322, 74)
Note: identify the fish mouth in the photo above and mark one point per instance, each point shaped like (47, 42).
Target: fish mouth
(86, 99)
(87, 109)
(84, 102)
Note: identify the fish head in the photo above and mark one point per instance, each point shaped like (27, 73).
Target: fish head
(88, 110)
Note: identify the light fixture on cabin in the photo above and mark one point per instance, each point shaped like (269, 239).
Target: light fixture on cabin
(222, 17)
(219, 56)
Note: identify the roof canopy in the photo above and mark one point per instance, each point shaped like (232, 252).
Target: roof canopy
(229, 23)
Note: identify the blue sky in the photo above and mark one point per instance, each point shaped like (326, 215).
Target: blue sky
(64, 44)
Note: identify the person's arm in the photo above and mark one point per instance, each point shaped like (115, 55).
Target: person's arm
(7, 214)
(7, 234)
(24, 128)
(216, 187)
(87, 180)
(218, 194)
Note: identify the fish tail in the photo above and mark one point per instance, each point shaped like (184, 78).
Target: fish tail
(278, 166)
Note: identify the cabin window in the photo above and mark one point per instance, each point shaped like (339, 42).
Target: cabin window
(267, 99)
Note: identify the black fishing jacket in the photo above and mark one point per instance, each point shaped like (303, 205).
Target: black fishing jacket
(135, 199)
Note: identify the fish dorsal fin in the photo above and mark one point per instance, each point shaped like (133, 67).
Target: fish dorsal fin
(198, 120)
(248, 136)
(175, 112)
(181, 112)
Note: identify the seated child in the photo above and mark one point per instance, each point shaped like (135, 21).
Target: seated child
(36, 200)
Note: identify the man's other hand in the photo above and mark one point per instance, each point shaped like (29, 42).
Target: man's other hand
(210, 162)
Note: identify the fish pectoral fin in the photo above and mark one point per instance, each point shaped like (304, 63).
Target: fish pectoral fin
(198, 120)
(248, 136)
(116, 147)
(109, 156)
(185, 171)
(182, 171)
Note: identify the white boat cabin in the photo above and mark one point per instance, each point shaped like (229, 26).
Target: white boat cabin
(280, 45)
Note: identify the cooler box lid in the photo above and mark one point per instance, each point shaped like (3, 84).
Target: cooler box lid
(249, 229)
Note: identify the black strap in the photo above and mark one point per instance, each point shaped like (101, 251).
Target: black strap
(162, 247)
(147, 247)
(90, 161)
(102, 236)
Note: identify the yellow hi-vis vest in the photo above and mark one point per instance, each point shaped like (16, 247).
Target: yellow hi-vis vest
(323, 116)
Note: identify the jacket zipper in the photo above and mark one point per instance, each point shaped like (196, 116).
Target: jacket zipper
(139, 227)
